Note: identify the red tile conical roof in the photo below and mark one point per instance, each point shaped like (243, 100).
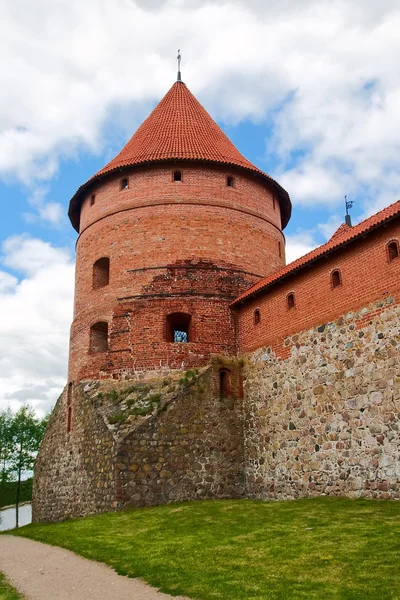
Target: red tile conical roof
(179, 128)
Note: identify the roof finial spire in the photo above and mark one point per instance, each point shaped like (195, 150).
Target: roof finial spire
(179, 66)
(349, 204)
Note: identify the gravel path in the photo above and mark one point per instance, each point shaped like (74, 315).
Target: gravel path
(42, 572)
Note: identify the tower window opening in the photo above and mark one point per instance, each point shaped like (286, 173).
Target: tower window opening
(179, 328)
(177, 175)
(92, 199)
(69, 419)
(393, 250)
(336, 278)
(290, 301)
(257, 316)
(230, 181)
(99, 337)
(101, 273)
(224, 383)
(69, 395)
(124, 183)
(69, 407)
(279, 249)
(273, 202)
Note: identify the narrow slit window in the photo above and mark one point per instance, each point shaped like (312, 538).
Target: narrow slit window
(257, 317)
(290, 301)
(393, 250)
(230, 181)
(92, 199)
(101, 272)
(336, 278)
(69, 407)
(224, 383)
(69, 395)
(69, 419)
(179, 328)
(124, 183)
(273, 202)
(280, 249)
(99, 337)
(177, 175)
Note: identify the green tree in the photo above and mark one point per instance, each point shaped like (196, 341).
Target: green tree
(26, 433)
(6, 447)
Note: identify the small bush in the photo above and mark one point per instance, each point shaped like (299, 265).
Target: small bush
(116, 418)
(154, 398)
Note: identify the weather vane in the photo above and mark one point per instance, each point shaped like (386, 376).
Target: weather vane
(349, 204)
(179, 66)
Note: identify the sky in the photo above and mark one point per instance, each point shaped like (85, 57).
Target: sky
(308, 91)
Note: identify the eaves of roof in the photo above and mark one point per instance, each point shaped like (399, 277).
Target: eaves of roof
(335, 243)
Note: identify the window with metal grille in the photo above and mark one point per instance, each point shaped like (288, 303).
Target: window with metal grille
(179, 328)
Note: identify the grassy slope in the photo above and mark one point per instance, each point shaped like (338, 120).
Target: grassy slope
(325, 548)
(7, 592)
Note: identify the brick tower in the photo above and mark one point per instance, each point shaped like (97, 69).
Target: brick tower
(170, 232)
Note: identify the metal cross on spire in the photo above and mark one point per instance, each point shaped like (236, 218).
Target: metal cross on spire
(179, 66)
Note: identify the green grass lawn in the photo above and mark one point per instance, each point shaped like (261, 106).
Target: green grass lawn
(7, 592)
(322, 549)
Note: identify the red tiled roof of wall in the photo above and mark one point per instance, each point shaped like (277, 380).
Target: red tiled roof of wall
(179, 128)
(344, 228)
(337, 241)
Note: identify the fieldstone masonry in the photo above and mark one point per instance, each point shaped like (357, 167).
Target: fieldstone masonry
(326, 420)
(141, 442)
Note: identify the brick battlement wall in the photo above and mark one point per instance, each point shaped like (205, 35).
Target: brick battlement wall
(366, 273)
(189, 246)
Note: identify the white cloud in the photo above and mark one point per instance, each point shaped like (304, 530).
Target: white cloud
(34, 334)
(299, 244)
(325, 72)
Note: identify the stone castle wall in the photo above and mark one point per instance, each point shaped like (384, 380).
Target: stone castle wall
(326, 419)
(75, 471)
(137, 443)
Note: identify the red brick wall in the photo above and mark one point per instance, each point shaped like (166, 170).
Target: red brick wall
(366, 275)
(190, 247)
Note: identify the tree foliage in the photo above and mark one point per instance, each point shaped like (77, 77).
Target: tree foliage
(20, 438)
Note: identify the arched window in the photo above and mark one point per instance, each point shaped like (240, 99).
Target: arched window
(230, 181)
(92, 199)
(224, 383)
(179, 327)
(290, 301)
(393, 250)
(336, 278)
(177, 175)
(101, 273)
(257, 316)
(124, 185)
(99, 337)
